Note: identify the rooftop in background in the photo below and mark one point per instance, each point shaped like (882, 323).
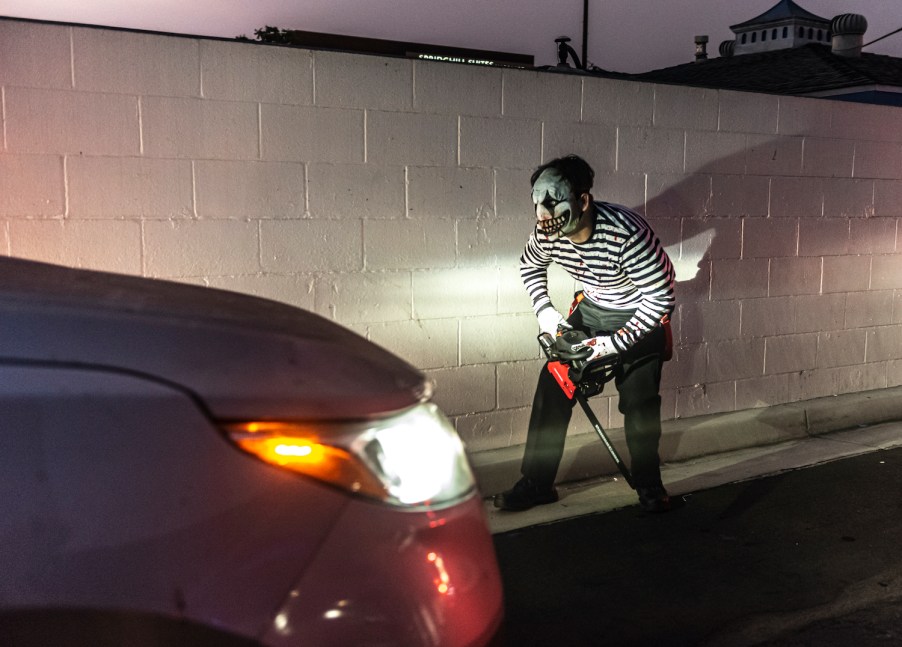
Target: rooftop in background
(811, 70)
(789, 50)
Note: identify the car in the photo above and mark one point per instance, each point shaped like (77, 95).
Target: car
(186, 465)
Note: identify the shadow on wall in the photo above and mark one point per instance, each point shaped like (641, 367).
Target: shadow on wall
(753, 237)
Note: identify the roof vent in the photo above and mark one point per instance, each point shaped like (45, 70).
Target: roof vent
(701, 48)
(727, 48)
(848, 34)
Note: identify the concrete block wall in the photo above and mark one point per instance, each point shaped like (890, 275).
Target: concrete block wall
(392, 197)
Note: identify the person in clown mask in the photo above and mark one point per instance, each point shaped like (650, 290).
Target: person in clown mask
(627, 296)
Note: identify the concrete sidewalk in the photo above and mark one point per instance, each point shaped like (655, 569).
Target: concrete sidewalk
(704, 452)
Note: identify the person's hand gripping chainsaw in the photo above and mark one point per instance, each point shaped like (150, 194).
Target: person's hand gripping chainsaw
(571, 347)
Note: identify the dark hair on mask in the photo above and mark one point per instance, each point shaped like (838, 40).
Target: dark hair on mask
(572, 168)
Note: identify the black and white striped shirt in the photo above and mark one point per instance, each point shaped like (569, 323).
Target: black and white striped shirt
(622, 266)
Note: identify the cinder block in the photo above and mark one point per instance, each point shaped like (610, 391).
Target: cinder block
(774, 156)
(425, 344)
(408, 244)
(31, 185)
(684, 107)
(880, 160)
(867, 122)
(770, 237)
(804, 116)
(650, 150)
(844, 198)
(884, 343)
(185, 248)
(846, 273)
(769, 317)
(724, 234)
(790, 353)
(704, 399)
(888, 198)
(309, 134)
(408, 138)
(596, 143)
(513, 196)
(791, 276)
(198, 128)
(464, 389)
(708, 321)
(825, 382)
(249, 189)
(872, 235)
(739, 279)
(117, 187)
(823, 237)
(828, 157)
(872, 308)
(4, 238)
(357, 81)
(739, 195)
(716, 152)
(688, 366)
(452, 292)
(240, 71)
(78, 123)
(364, 297)
(125, 62)
(796, 197)
(512, 296)
(479, 89)
(840, 348)
(766, 391)
(35, 55)
(815, 313)
(491, 242)
(355, 191)
(627, 189)
(675, 195)
(746, 112)
(492, 430)
(894, 373)
(886, 272)
(504, 143)
(613, 101)
(289, 246)
(296, 290)
(533, 94)
(733, 359)
(517, 382)
(108, 245)
(693, 288)
(501, 338)
(442, 192)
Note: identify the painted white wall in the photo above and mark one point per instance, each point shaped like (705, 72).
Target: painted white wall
(393, 197)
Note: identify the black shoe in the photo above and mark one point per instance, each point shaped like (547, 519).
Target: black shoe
(654, 499)
(525, 494)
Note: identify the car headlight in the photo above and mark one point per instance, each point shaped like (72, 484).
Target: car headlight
(411, 459)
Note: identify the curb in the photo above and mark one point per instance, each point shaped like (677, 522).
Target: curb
(688, 438)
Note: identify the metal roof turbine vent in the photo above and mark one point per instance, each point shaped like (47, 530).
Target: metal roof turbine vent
(848, 34)
(727, 48)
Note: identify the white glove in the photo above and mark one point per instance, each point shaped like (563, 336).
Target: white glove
(602, 348)
(550, 319)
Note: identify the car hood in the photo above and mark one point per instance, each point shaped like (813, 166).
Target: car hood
(243, 357)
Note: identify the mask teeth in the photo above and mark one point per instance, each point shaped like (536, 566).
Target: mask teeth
(554, 225)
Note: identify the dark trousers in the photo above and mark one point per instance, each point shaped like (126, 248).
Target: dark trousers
(638, 381)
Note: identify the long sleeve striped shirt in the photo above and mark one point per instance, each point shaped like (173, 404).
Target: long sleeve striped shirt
(623, 266)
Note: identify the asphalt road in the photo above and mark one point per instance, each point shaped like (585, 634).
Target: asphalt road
(807, 557)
